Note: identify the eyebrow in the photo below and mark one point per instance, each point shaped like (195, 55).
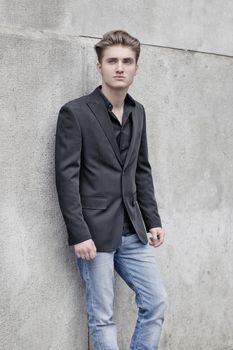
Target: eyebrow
(124, 59)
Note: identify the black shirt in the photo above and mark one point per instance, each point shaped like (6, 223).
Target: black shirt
(123, 133)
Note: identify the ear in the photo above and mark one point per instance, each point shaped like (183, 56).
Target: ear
(98, 66)
(136, 71)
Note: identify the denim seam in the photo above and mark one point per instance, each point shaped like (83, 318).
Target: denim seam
(92, 303)
(141, 299)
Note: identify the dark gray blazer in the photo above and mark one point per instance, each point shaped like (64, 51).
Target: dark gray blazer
(92, 182)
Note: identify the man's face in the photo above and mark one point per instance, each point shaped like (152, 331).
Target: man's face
(118, 67)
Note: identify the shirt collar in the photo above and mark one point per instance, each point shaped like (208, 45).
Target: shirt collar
(128, 100)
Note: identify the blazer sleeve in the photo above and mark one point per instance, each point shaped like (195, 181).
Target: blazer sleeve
(67, 169)
(144, 182)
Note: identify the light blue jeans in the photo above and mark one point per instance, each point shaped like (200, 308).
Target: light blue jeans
(135, 263)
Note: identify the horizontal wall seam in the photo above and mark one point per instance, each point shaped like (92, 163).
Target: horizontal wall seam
(41, 34)
(171, 48)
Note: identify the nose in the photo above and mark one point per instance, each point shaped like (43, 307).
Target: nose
(119, 67)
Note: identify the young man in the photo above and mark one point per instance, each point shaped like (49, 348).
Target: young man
(106, 195)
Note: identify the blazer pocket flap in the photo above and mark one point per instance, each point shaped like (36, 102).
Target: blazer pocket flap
(89, 202)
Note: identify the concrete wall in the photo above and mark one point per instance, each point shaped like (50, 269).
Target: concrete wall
(47, 58)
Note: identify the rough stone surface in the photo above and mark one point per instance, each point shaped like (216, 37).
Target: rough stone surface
(189, 105)
(41, 298)
(204, 25)
(188, 100)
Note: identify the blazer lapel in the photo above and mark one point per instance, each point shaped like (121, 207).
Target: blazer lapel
(102, 116)
(133, 136)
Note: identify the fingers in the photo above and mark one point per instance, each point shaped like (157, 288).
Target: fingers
(155, 242)
(157, 238)
(85, 250)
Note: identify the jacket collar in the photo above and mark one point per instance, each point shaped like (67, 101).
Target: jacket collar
(98, 106)
(97, 95)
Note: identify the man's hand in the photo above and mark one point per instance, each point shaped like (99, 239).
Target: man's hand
(85, 250)
(157, 237)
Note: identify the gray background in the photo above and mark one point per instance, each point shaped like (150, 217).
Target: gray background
(186, 85)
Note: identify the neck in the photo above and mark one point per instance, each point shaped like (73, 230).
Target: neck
(115, 96)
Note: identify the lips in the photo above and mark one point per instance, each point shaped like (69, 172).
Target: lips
(119, 77)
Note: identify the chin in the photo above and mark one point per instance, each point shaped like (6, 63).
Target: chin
(120, 85)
